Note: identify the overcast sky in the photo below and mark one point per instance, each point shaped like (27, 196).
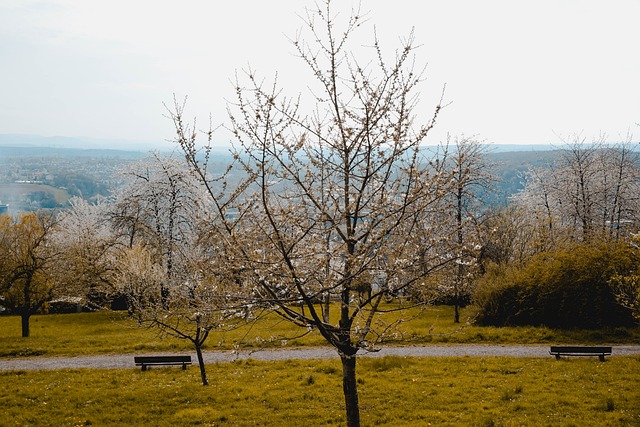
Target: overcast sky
(517, 72)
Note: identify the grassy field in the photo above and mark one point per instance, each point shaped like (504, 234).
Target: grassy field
(8, 191)
(393, 392)
(108, 332)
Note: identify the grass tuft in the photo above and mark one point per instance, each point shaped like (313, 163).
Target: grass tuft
(387, 363)
(25, 352)
(329, 370)
(487, 423)
(610, 405)
(510, 395)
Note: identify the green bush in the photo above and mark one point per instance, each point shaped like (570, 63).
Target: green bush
(567, 288)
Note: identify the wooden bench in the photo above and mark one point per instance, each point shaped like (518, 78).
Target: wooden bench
(579, 350)
(146, 361)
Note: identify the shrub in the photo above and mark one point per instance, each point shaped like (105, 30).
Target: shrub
(563, 289)
(627, 291)
(64, 305)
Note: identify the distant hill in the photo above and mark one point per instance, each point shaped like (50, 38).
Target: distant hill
(510, 167)
(62, 146)
(73, 143)
(8, 152)
(503, 148)
(20, 145)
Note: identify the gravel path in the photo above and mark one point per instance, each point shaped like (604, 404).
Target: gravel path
(126, 360)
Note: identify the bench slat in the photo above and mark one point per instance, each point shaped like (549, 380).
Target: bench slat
(162, 360)
(582, 350)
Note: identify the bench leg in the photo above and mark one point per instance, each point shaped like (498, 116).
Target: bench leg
(184, 366)
(557, 357)
(601, 357)
(144, 367)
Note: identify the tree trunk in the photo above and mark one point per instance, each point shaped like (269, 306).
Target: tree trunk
(350, 389)
(327, 305)
(459, 282)
(203, 372)
(460, 271)
(456, 310)
(25, 324)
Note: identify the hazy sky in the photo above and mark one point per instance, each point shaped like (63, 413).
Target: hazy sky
(515, 71)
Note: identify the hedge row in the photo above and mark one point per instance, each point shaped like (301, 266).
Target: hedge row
(565, 289)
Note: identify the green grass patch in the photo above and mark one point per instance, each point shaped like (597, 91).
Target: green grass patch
(61, 196)
(110, 333)
(80, 334)
(393, 392)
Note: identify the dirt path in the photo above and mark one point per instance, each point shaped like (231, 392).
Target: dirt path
(126, 360)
